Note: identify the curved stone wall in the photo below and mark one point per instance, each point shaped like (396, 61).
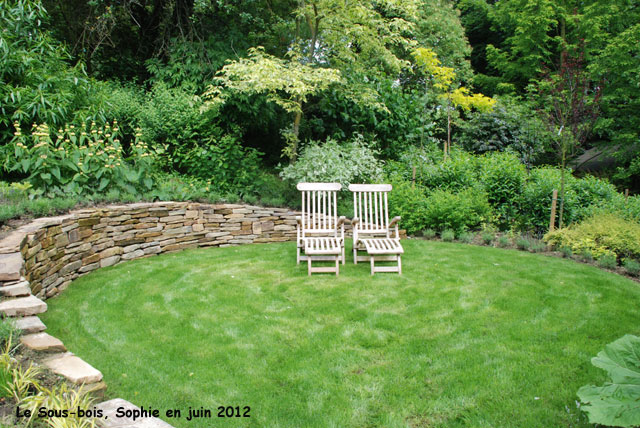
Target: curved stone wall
(57, 250)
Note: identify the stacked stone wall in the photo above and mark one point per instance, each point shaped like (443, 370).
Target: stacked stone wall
(59, 249)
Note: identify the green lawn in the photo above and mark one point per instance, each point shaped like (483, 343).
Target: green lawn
(467, 336)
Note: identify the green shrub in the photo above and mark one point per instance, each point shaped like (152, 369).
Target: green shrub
(566, 251)
(466, 237)
(607, 261)
(409, 203)
(538, 246)
(80, 161)
(461, 211)
(429, 233)
(503, 177)
(350, 162)
(523, 243)
(459, 172)
(632, 267)
(448, 235)
(272, 191)
(600, 234)
(488, 236)
(586, 256)
(504, 241)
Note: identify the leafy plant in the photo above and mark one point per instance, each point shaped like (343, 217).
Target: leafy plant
(80, 161)
(599, 235)
(60, 398)
(617, 402)
(429, 233)
(523, 243)
(461, 211)
(465, 237)
(566, 251)
(504, 241)
(350, 162)
(632, 267)
(607, 261)
(448, 235)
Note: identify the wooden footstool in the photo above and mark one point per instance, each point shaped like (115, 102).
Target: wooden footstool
(384, 249)
(322, 249)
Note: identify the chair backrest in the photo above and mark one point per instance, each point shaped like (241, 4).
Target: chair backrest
(319, 207)
(370, 207)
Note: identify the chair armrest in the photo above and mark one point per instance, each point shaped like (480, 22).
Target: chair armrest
(299, 220)
(341, 220)
(355, 221)
(394, 220)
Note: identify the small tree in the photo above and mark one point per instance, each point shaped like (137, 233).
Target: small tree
(570, 106)
(286, 83)
(444, 82)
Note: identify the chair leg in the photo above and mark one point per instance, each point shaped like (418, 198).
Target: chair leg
(337, 265)
(344, 258)
(399, 265)
(372, 265)
(355, 256)
(309, 265)
(298, 255)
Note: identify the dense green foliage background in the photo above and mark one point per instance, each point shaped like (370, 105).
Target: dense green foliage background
(334, 84)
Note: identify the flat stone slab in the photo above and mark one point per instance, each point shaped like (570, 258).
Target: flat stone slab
(42, 342)
(11, 243)
(17, 290)
(30, 325)
(10, 266)
(109, 409)
(73, 368)
(23, 306)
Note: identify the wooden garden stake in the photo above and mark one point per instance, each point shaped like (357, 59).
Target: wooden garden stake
(626, 194)
(554, 200)
(413, 178)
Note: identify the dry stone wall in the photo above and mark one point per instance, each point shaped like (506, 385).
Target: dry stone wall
(57, 250)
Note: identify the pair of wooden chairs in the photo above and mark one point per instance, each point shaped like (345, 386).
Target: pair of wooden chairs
(320, 232)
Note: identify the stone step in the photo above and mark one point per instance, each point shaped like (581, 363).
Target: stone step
(73, 368)
(10, 266)
(23, 306)
(96, 389)
(17, 290)
(12, 282)
(109, 420)
(42, 342)
(30, 325)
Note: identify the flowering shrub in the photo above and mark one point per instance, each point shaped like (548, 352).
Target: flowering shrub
(79, 160)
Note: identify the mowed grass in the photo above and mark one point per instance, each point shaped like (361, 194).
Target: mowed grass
(466, 337)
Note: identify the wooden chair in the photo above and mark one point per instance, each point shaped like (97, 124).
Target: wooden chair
(320, 232)
(372, 231)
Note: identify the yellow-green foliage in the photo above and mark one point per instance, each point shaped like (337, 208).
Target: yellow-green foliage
(600, 234)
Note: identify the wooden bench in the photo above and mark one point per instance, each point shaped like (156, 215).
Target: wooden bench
(323, 249)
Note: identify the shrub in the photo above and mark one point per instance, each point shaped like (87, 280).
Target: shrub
(566, 251)
(600, 234)
(448, 235)
(538, 246)
(461, 211)
(459, 172)
(632, 267)
(503, 241)
(586, 256)
(409, 203)
(487, 237)
(272, 191)
(350, 162)
(429, 233)
(79, 161)
(523, 243)
(465, 237)
(224, 161)
(607, 261)
(502, 177)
